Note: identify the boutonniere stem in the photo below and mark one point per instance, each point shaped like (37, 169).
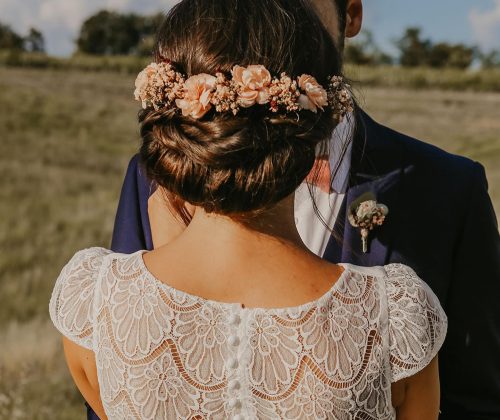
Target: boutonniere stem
(366, 214)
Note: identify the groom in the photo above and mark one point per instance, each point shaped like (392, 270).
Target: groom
(441, 223)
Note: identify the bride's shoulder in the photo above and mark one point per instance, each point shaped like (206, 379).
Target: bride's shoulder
(395, 276)
(94, 253)
(92, 258)
(72, 298)
(416, 322)
(71, 304)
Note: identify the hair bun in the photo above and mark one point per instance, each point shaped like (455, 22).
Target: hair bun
(229, 164)
(247, 162)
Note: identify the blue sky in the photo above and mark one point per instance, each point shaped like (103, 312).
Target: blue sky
(469, 21)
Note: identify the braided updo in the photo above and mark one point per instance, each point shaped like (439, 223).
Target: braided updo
(245, 163)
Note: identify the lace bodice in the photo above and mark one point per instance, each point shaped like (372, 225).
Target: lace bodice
(165, 354)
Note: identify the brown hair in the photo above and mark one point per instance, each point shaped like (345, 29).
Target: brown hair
(246, 163)
(342, 9)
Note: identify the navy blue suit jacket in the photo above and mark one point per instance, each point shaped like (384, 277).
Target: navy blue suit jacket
(441, 223)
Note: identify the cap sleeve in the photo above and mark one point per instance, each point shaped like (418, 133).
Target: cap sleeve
(417, 322)
(71, 303)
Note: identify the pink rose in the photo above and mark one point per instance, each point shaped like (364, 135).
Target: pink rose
(253, 82)
(315, 96)
(198, 91)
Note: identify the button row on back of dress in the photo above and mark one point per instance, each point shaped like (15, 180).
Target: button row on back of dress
(234, 366)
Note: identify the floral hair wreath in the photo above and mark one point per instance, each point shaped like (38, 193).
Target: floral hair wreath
(159, 85)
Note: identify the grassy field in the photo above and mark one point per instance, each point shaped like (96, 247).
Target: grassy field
(386, 76)
(66, 138)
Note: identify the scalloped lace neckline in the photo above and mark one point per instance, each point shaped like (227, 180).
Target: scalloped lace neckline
(238, 305)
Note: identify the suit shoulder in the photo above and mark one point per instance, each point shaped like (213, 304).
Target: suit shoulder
(428, 157)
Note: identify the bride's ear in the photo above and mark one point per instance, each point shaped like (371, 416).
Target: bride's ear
(354, 18)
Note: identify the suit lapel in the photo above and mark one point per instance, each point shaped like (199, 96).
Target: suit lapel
(380, 240)
(376, 167)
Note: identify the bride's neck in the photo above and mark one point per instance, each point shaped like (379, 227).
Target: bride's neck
(273, 228)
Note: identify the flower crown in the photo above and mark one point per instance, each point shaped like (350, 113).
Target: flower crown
(159, 85)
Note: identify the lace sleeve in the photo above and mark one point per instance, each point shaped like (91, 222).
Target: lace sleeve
(71, 304)
(417, 322)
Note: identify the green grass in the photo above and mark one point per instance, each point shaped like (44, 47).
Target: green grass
(79, 62)
(426, 78)
(386, 76)
(66, 139)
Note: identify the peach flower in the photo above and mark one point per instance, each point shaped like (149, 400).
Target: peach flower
(198, 92)
(315, 96)
(145, 84)
(253, 82)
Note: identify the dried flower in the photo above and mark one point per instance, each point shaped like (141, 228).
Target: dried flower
(197, 95)
(367, 214)
(315, 96)
(253, 84)
(158, 85)
(225, 97)
(339, 98)
(284, 94)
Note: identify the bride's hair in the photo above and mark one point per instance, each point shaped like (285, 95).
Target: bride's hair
(246, 163)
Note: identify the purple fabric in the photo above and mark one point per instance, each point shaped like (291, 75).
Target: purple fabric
(132, 230)
(91, 415)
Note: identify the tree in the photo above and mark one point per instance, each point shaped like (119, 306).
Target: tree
(34, 41)
(109, 33)
(9, 40)
(447, 55)
(364, 50)
(462, 56)
(490, 60)
(413, 50)
(148, 28)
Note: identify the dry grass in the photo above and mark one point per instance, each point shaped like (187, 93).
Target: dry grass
(66, 139)
(388, 76)
(426, 78)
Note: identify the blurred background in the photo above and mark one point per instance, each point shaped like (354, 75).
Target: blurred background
(68, 128)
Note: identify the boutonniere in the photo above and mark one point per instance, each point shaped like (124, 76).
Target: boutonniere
(365, 213)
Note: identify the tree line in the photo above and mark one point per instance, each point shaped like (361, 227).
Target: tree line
(111, 33)
(33, 41)
(417, 51)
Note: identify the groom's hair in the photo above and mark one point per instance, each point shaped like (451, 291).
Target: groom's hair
(342, 10)
(239, 164)
(334, 20)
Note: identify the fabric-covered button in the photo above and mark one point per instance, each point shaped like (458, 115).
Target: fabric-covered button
(233, 363)
(234, 385)
(234, 319)
(234, 403)
(233, 340)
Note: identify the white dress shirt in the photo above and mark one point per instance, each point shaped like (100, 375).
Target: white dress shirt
(312, 231)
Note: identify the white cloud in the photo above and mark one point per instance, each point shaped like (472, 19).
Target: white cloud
(486, 26)
(60, 20)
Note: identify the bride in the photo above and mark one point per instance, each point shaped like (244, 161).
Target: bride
(235, 317)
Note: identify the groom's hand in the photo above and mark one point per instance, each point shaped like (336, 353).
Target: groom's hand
(165, 224)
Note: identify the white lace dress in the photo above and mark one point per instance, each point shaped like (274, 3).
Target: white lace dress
(165, 354)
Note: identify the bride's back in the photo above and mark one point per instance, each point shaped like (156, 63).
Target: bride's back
(162, 353)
